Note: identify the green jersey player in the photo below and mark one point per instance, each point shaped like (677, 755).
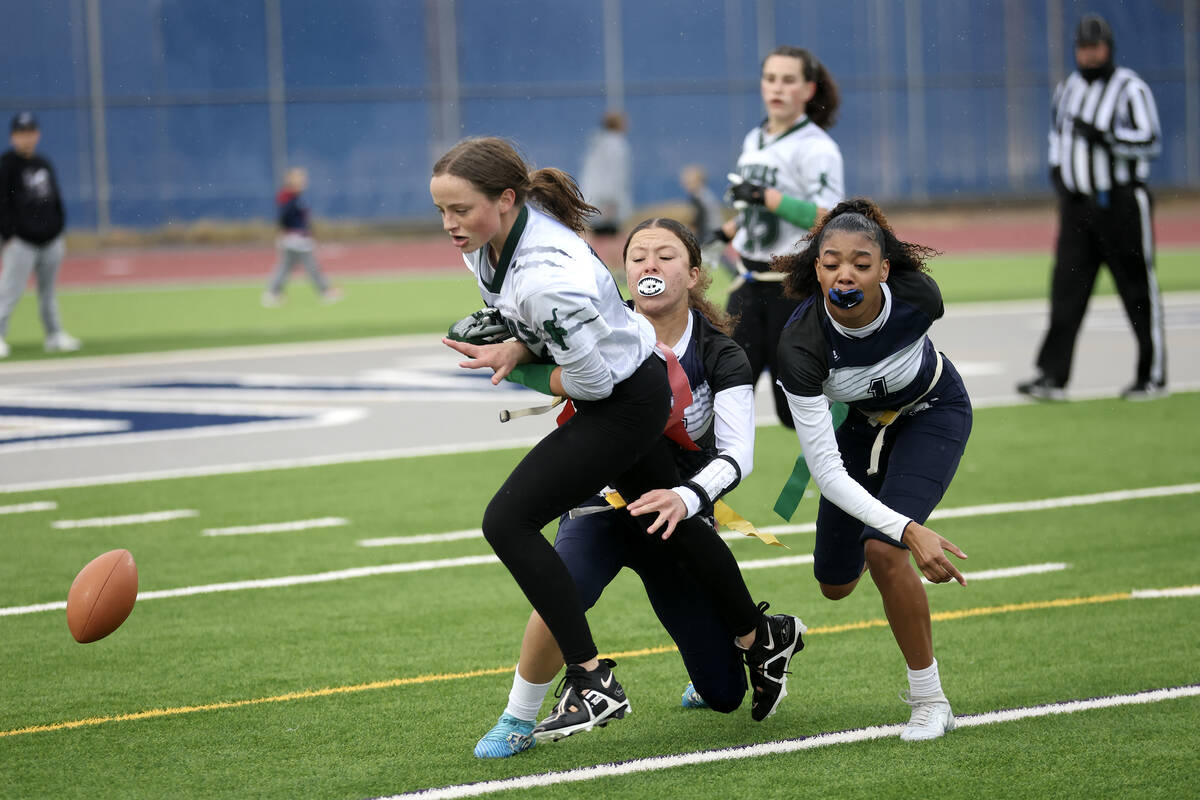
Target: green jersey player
(789, 173)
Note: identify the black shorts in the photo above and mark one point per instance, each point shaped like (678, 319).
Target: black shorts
(920, 455)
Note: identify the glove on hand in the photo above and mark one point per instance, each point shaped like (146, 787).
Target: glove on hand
(485, 326)
(1088, 131)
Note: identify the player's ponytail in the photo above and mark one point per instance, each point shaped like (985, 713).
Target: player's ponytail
(857, 215)
(493, 164)
(823, 107)
(556, 193)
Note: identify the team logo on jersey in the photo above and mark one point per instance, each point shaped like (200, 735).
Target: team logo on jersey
(651, 286)
(556, 331)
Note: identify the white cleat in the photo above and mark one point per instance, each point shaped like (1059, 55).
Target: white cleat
(4, 351)
(931, 718)
(62, 342)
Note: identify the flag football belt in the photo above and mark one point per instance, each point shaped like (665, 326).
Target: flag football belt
(721, 512)
(746, 275)
(884, 418)
(681, 398)
(793, 490)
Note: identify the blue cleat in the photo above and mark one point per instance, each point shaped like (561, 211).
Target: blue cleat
(508, 737)
(691, 698)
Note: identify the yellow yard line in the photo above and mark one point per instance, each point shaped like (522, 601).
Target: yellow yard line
(479, 673)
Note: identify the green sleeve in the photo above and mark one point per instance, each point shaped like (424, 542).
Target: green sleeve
(535, 376)
(797, 212)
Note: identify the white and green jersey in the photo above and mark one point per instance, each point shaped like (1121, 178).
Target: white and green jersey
(802, 162)
(559, 299)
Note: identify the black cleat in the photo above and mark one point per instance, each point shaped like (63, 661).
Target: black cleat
(1042, 388)
(777, 640)
(1145, 391)
(589, 700)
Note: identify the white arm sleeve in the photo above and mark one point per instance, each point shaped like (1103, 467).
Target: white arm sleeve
(733, 420)
(814, 428)
(588, 378)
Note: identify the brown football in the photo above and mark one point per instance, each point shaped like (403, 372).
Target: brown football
(102, 595)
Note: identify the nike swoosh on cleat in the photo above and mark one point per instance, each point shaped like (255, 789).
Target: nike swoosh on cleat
(607, 684)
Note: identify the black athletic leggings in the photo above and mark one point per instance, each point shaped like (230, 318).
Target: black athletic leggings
(616, 441)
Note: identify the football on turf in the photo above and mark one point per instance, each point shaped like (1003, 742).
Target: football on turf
(102, 596)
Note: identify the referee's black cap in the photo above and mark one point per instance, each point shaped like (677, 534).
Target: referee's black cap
(23, 121)
(1093, 29)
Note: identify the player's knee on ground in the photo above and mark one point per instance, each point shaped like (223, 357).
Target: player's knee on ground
(725, 703)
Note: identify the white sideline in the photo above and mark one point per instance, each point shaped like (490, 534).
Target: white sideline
(278, 527)
(640, 765)
(127, 519)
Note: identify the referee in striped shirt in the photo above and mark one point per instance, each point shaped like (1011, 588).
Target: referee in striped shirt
(1104, 131)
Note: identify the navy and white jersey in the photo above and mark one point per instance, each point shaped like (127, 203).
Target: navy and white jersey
(560, 300)
(1122, 109)
(803, 162)
(720, 419)
(884, 365)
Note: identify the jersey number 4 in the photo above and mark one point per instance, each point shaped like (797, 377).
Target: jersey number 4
(878, 388)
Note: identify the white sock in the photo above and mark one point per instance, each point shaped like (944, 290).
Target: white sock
(925, 683)
(525, 699)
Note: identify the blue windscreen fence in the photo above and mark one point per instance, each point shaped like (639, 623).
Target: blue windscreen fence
(161, 111)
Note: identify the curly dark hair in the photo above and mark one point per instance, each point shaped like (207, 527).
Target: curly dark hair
(697, 295)
(857, 215)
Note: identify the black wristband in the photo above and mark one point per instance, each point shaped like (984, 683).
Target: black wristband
(720, 233)
(706, 503)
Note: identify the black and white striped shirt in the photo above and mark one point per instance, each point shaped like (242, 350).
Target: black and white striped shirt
(1122, 109)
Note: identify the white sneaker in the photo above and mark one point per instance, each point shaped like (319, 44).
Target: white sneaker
(4, 351)
(271, 300)
(931, 718)
(62, 342)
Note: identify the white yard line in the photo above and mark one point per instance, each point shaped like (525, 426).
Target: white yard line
(127, 519)
(278, 527)
(1181, 591)
(23, 508)
(655, 764)
(810, 527)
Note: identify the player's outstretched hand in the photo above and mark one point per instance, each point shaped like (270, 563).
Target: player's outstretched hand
(668, 505)
(500, 358)
(927, 546)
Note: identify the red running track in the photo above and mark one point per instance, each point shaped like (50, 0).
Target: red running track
(193, 264)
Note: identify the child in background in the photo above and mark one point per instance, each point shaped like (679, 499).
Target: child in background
(706, 208)
(295, 242)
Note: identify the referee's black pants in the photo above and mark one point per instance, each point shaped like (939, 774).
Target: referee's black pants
(1121, 235)
(617, 442)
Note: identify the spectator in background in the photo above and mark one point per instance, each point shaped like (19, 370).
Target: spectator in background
(607, 183)
(1104, 131)
(706, 208)
(31, 227)
(295, 243)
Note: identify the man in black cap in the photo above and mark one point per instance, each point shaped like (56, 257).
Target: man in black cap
(31, 226)
(1104, 131)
